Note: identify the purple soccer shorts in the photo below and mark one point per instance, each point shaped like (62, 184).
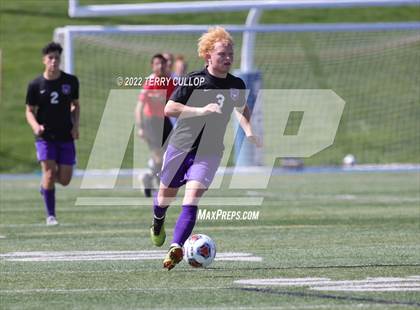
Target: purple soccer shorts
(64, 153)
(180, 166)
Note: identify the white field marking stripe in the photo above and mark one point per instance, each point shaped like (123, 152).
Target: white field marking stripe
(83, 232)
(222, 228)
(206, 201)
(253, 198)
(78, 253)
(104, 256)
(291, 282)
(381, 284)
(366, 289)
(56, 232)
(240, 259)
(326, 281)
(68, 271)
(373, 285)
(289, 307)
(374, 281)
(323, 197)
(90, 253)
(2, 237)
(103, 289)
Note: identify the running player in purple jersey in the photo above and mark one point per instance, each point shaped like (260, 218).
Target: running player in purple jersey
(52, 111)
(196, 145)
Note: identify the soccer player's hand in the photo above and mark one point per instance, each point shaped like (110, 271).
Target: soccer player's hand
(75, 133)
(39, 130)
(211, 108)
(255, 140)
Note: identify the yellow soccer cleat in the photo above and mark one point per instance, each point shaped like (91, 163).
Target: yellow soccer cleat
(173, 257)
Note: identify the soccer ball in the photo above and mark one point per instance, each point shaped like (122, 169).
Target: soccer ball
(199, 250)
(349, 160)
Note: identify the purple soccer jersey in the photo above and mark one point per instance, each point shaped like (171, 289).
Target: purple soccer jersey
(196, 143)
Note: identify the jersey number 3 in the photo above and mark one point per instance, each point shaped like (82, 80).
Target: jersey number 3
(220, 100)
(54, 97)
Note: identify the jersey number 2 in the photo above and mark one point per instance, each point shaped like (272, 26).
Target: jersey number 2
(54, 97)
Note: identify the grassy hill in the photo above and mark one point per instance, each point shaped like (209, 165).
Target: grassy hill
(26, 25)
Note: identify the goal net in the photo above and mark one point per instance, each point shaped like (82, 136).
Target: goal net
(374, 69)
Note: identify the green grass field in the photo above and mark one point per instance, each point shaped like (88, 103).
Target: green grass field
(340, 226)
(350, 240)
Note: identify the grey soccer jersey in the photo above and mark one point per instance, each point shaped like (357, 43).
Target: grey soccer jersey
(206, 132)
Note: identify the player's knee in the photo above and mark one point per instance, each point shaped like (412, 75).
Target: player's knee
(64, 180)
(49, 177)
(193, 197)
(166, 196)
(165, 200)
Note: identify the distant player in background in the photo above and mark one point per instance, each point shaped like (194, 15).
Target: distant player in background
(150, 118)
(180, 66)
(196, 145)
(52, 111)
(180, 70)
(169, 63)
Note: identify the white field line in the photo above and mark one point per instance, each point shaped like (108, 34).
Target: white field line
(366, 289)
(17, 272)
(83, 232)
(410, 283)
(110, 255)
(284, 196)
(98, 230)
(283, 281)
(113, 232)
(252, 198)
(103, 289)
(205, 201)
(291, 307)
(2, 237)
(326, 281)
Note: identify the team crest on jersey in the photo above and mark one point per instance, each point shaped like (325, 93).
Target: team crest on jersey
(66, 89)
(234, 94)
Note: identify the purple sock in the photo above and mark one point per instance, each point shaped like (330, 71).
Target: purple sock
(185, 224)
(49, 200)
(158, 211)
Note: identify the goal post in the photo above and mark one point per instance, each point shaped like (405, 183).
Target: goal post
(97, 10)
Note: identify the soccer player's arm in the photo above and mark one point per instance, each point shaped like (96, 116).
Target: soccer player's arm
(75, 110)
(31, 109)
(177, 105)
(243, 115)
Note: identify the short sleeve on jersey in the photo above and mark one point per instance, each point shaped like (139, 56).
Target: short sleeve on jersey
(242, 94)
(75, 88)
(181, 94)
(31, 95)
